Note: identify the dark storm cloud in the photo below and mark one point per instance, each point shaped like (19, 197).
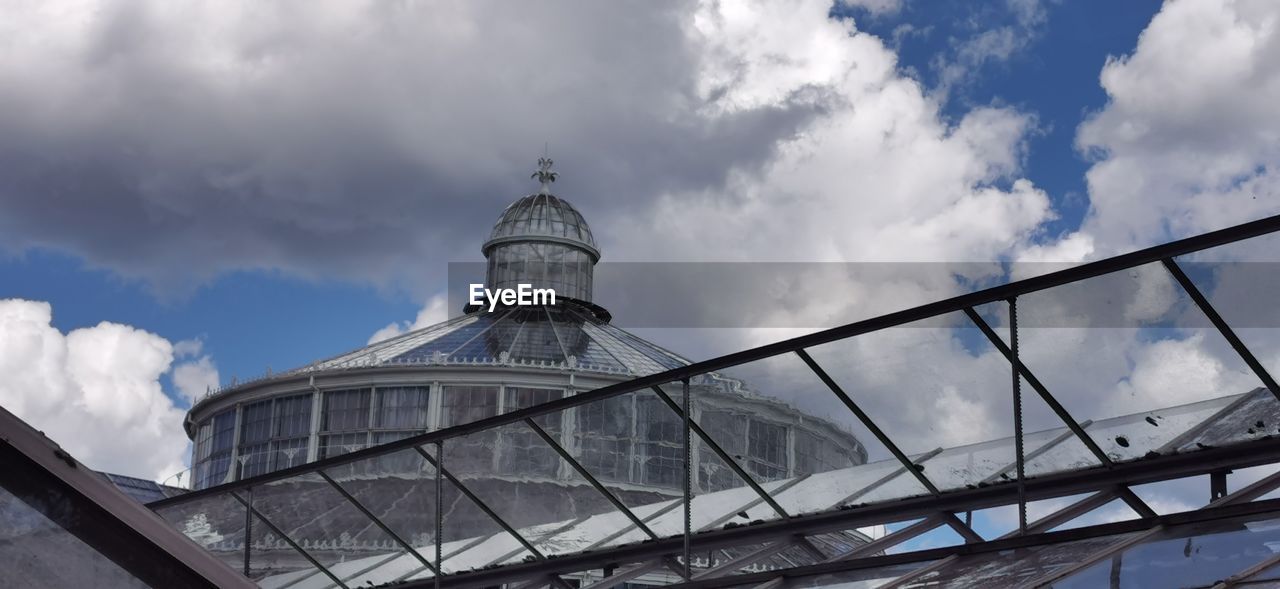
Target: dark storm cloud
(369, 143)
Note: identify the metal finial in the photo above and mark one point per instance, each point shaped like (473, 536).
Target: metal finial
(545, 175)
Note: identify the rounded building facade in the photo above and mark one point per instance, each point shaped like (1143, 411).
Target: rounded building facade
(483, 363)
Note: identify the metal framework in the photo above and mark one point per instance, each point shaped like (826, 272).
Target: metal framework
(41, 478)
(781, 529)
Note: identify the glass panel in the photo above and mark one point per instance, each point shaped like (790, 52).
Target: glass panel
(1013, 568)
(860, 579)
(399, 489)
(521, 450)
(345, 422)
(461, 404)
(215, 522)
(36, 552)
(1129, 343)
(310, 513)
(402, 408)
(931, 386)
(821, 414)
(603, 436)
(1195, 555)
(215, 467)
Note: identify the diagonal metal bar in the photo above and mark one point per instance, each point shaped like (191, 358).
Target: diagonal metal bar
(628, 574)
(892, 539)
(552, 533)
(1251, 491)
(478, 540)
(1199, 428)
(732, 513)
(965, 531)
(1040, 389)
(920, 572)
(914, 468)
(715, 447)
(1222, 326)
(776, 547)
(1241, 496)
(287, 540)
(1038, 452)
(854, 496)
(1096, 557)
(1244, 576)
(377, 521)
(581, 470)
(1134, 502)
(627, 529)
(747, 559)
(481, 505)
(1067, 513)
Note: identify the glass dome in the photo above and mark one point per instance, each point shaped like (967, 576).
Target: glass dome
(542, 215)
(543, 241)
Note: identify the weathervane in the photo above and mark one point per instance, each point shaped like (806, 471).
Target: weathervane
(544, 174)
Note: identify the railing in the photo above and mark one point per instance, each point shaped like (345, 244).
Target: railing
(906, 390)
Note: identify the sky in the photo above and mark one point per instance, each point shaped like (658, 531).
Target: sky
(197, 192)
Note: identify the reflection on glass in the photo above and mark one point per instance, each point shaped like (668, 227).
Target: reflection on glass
(36, 552)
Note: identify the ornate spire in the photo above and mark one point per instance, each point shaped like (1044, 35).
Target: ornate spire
(545, 175)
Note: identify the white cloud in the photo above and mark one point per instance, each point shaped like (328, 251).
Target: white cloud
(196, 377)
(95, 391)
(1187, 140)
(434, 311)
(196, 374)
(1026, 19)
(876, 7)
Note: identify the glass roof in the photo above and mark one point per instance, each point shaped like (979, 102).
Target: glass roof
(1213, 422)
(556, 336)
(543, 215)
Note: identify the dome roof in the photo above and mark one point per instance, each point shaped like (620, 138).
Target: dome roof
(542, 217)
(566, 335)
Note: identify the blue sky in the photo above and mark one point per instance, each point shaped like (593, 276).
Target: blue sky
(249, 319)
(279, 184)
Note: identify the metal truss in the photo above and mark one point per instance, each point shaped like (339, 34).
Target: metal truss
(1110, 481)
(39, 477)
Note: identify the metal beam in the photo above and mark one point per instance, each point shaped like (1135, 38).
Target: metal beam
(1254, 453)
(377, 522)
(779, 546)
(715, 447)
(1040, 389)
(1067, 513)
(625, 530)
(951, 553)
(479, 503)
(549, 534)
(953, 304)
(1247, 574)
(1222, 326)
(919, 459)
(1038, 452)
(289, 541)
(1096, 557)
(581, 470)
(1243, 496)
(866, 420)
(46, 479)
(1134, 502)
(892, 538)
(732, 513)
